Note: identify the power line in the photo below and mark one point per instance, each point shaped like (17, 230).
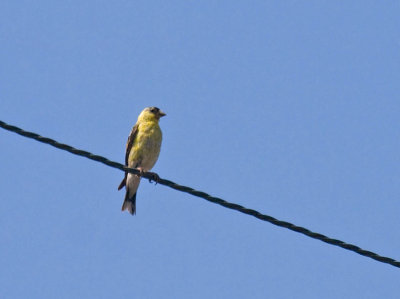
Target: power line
(205, 196)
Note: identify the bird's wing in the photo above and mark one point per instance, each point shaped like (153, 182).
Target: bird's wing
(129, 144)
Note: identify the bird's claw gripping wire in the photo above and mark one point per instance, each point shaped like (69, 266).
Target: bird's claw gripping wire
(153, 177)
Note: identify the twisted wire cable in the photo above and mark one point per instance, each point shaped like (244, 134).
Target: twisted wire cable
(204, 195)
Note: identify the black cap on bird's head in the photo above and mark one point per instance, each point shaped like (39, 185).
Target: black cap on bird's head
(157, 112)
(151, 113)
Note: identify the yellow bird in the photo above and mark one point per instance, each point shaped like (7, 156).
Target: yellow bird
(142, 150)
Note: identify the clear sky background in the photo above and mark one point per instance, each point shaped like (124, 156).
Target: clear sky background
(288, 107)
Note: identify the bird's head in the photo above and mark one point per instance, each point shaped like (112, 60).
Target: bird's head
(150, 114)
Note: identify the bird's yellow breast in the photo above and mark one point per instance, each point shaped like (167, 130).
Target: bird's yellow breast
(146, 145)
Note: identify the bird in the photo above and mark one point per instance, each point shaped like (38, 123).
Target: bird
(142, 151)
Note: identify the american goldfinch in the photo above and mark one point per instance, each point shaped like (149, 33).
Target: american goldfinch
(142, 150)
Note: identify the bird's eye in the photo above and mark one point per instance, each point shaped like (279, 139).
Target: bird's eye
(153, 110)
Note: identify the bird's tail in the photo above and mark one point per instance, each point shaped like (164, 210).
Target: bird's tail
(129, 204)
(131, 182)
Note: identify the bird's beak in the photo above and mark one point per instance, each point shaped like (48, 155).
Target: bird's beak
(161, 114)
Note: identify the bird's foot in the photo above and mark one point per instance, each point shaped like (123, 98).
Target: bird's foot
(153, 177)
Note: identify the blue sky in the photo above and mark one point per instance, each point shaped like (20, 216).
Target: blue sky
(288, 107)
